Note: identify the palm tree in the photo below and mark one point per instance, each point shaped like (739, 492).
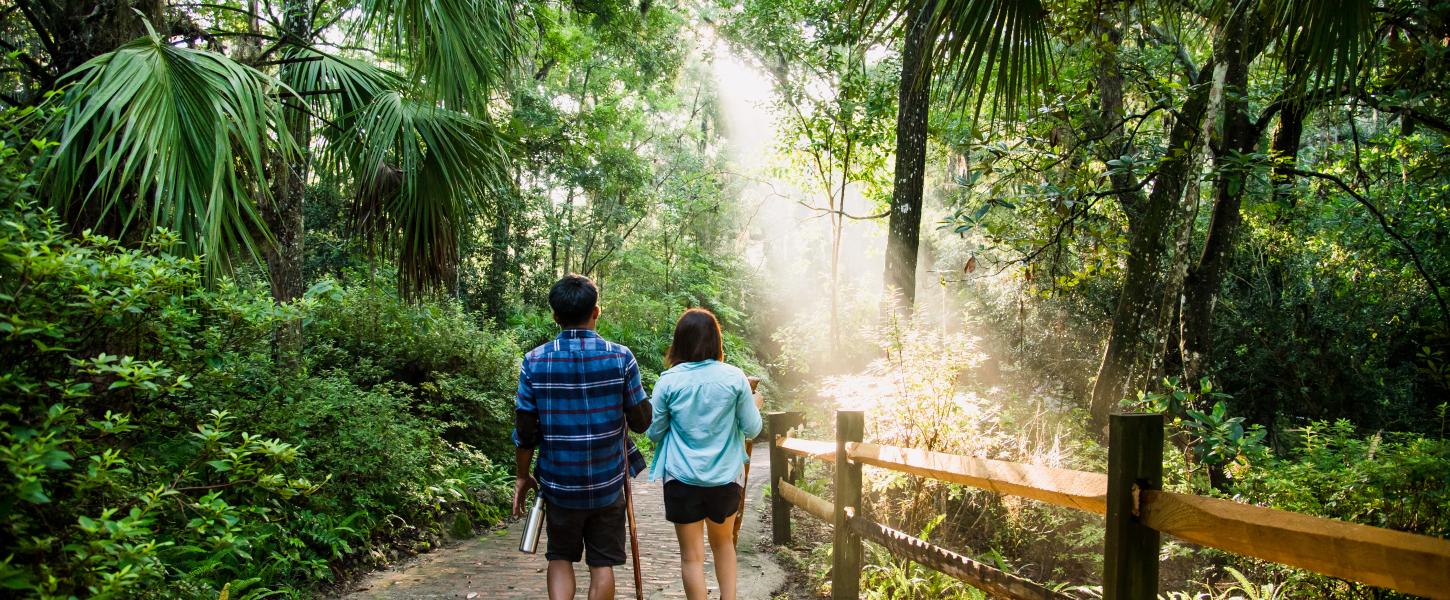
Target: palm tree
(219, 143)
(985, 49)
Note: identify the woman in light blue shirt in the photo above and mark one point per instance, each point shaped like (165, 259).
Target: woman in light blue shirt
(704, 411)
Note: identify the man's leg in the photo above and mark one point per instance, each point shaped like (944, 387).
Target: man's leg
(604, 544)
(566, 547)
(601, 583)
(561, 580)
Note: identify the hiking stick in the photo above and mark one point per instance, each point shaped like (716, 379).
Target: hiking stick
(745, 479)
(629, 508)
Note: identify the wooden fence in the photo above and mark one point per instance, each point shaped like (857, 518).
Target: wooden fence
(1129, 496)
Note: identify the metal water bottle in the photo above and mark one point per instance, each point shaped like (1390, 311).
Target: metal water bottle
(534, 528)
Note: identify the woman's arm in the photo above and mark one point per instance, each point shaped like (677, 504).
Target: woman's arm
(747, 414)
(660, 423)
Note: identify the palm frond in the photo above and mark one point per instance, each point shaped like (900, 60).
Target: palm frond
(419, 172)
(183, 131)
(334, 85)
(991, 48)
(336, 89)
(459, 50)
(1322, 39)
(982, 49)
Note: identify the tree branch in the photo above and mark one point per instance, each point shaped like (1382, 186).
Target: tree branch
(47, 39)
(288, 61)
(1180, 53)
(1388, 229)
(1309, 100)
(843, 213)
(1404, 111)
(37, 70)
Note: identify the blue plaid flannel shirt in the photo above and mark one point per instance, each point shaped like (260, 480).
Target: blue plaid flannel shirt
(577, 386)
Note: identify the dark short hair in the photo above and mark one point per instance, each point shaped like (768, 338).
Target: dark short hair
(573, 299)
(697, 338)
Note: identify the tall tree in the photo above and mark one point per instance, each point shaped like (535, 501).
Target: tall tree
(991, 48)
(913, 115)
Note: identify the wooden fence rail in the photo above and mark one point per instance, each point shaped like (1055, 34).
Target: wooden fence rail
(1129, 496)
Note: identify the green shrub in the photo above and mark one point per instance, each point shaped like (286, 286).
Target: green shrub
(151, 448)
(1385, 479)
(456, 370)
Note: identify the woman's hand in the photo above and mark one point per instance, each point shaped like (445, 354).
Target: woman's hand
(755, 392)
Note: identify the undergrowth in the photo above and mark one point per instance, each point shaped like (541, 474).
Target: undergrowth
(153, 449)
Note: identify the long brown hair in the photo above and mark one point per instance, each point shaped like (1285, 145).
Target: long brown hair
(697, 337)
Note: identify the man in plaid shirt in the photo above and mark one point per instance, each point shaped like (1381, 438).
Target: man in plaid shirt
(576, 395)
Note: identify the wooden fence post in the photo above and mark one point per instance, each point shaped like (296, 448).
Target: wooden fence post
(778, 424)
(846, 546)
(1135, 463)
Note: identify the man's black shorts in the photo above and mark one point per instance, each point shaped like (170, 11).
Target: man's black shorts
(598, 530)
(685, 503)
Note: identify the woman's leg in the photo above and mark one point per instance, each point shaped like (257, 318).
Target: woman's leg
(722, 548)
(692, 558)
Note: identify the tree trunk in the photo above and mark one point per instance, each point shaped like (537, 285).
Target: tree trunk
(568, 234)
(1201, 288)
(912, 117)
(1285, 149)
(496, 286)
(1131, 333)
(1130, 195)
(283, 213)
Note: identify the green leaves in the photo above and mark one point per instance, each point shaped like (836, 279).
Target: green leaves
(458, 50)
(419, 172)
(1323, 40)
(991, 48)
(174, 135)
(983, 49)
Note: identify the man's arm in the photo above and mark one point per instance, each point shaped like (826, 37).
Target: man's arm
(640, 416)
(527, 436)
(523, 460)
(637, 410)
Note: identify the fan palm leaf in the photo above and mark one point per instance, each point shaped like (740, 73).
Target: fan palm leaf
(335, 85)
(994, 49)
(336, 89)
(459, 50)
(419, 172)
(984, 49)
(1323, 40)
(175, 136)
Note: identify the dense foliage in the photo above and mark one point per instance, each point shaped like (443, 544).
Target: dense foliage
(1231, 212)
(265, 272)
(154, 448)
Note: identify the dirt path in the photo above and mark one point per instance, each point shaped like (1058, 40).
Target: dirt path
(492, 567)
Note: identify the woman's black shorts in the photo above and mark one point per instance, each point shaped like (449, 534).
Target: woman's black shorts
(685, 503)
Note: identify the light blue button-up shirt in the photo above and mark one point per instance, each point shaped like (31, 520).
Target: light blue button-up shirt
(703, 413)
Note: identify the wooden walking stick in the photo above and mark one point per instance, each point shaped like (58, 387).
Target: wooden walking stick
(629, 508)
(745, 480)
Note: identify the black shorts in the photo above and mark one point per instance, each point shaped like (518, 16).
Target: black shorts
(598, 530)
(685, 503)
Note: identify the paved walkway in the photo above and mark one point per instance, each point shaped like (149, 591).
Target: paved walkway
(492, 567)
